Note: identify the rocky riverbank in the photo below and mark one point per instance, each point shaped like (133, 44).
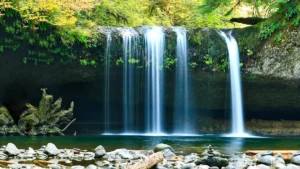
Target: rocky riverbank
(161, 157)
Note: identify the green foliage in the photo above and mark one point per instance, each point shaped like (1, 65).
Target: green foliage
(277, 38)
(249, 52)
(133, 60)
(169, 62)
(208, 60)
(193, 65)
(296, 21)
(292, 11)
(222, 65)
(25, 60)
(119, 61)
(268, 30)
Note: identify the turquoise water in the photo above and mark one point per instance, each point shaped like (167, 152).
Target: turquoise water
(182, 145)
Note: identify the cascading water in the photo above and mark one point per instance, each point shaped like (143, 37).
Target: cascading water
(235, 85)
(130, 42)
(182, 117)
(107, 83)
(154, 41)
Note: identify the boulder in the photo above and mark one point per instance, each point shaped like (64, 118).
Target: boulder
(99, 151)
(11, 150)
(161, 147)
(51, 149)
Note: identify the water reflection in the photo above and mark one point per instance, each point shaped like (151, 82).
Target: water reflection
(182, 145)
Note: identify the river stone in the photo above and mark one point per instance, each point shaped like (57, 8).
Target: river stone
(213, 161)
(15, 166)
(253, 167)
(210, 151)
(11, 149)
(295, 160)
(51, 149)
(91, 166)
(214, 167)
(279, 155)
(54, 166)
(280, 166)
(203, 167)
(296, 153)
(265, 159)
(262, 166)
(89, 155)
(160, 147)
(99, 151)
(292, 166)
(168, 153)
(3, 156)
(267, 153)
(77, 167)
(191, 158)
(189, 166)
(102, 163)
(124, 154)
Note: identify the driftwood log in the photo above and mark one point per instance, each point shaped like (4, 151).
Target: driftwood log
(286, 153)
(148, 162)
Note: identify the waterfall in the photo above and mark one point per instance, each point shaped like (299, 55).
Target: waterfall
(154, 41)
(235, 85)
(130, 46)
(182, 116)
(107, 83)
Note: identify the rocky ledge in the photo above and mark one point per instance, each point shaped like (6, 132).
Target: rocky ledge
(161, 157)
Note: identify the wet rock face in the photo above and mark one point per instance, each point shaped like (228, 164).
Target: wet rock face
(278, 59)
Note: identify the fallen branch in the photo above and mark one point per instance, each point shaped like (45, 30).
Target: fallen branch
(148, 162)
(68, 125)
(5, 163)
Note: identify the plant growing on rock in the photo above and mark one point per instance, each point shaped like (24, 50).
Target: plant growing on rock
(47, 118)
(7, 124)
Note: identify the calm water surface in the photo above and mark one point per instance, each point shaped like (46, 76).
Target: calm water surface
(182, 145)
